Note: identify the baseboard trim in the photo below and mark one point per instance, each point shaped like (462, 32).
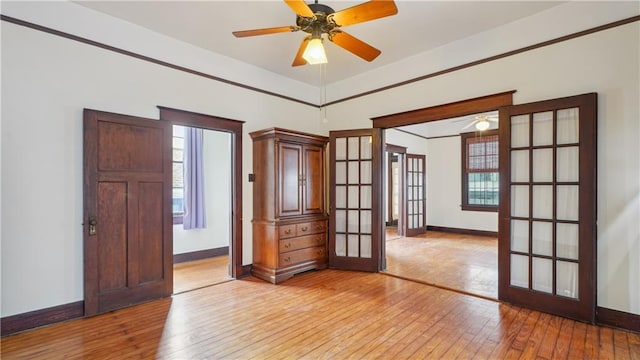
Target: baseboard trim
(200, 254)
(462, 231)
(618, 319)
(33, 319)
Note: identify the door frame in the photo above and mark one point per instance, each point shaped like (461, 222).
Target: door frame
(234, 128)
(390, 148)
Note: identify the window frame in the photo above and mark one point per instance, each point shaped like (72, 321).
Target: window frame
(465, 206)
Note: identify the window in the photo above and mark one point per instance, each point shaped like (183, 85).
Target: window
(480, 180)
(178, 174)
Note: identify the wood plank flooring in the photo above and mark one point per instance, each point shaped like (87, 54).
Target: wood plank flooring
(323, 314)
(455, 261)
(200, 273)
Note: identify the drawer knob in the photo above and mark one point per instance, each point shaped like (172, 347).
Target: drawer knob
(287, 245)
(318, 227)
(319, 239)
(287, 259)
(288, 231)
(320, 252)
(305, 228)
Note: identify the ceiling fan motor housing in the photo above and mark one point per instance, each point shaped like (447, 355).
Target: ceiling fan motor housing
(320, 23)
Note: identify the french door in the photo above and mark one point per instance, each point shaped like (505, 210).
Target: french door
(547, 228)
(415, 195)
(356, 220)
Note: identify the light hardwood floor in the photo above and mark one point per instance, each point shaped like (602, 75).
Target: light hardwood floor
(193, 275)
(460, 262)
(323, 314)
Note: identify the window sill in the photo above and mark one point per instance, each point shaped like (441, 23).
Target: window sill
(177, 219)
(479, 208)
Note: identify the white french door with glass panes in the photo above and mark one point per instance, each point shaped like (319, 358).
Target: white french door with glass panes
(415, 195)
(356, 218)
(547, 229)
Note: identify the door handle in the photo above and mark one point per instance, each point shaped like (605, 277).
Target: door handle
(92, 225)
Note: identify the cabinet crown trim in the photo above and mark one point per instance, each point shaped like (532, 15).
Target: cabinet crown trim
(279, 132)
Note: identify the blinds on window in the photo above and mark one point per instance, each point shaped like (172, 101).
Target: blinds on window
(482, 154)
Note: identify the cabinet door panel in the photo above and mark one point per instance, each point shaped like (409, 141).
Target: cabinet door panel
(313, 180)
(289, 185)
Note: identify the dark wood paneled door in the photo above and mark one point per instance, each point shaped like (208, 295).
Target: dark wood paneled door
(416, 205)
(356, 221)
(127, 211)
(547, 228)
(290, 184)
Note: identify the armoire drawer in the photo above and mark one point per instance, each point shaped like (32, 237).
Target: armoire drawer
(286, 245)
(286, 231)
(302, 255)
(313, 227)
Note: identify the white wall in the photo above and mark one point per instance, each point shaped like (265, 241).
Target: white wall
(217, 192)
(47, 81)
(444, 189)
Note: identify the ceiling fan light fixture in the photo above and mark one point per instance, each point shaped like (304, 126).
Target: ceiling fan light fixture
(314, 52)
(482, 125)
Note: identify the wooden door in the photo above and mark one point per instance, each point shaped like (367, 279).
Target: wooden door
(127, 211)
(416, 195)
(291, 182)
(547, 228)
(356, 220)
(313, 179)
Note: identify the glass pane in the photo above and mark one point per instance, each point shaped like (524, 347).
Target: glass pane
(341, 197)
(543, 201)
(543, 128)
(365, 147)
(353, 195)
(520, 236)
(178, 130)
(520, 200)
(568, 126)
(519, 270)
(365, 221)
(178, 154)
(178, 143)
(178, 175)
(341, 221)
(177, 203)
(567, 279)
(341, 173)
(419, 164)
(543, 165)
(341, 149)
(365, 246)
(519, 131)
(567, 164)
(365, 172)
(411, 226)
(353, 246)
(420, 178)
(354, 148)
(520, 166)
(410, 179)
(567, 202)
(353, 221)
(420, 220)
(542, 234)
(567, 241)
(341, 245)
(410, 164)
(542, 277)
(354, 171)
(365, 197)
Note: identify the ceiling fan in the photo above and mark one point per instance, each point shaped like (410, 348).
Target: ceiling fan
(482, 121)
(318, 19)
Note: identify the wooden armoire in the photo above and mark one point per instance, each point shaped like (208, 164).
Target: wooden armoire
(289, 217)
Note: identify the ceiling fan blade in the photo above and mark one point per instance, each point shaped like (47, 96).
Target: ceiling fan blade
(370, 10)
(469, 125)
(299, 60)
(301, 8)
(354, 45)
(273, 30)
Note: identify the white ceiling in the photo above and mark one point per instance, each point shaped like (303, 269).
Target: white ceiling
(448, 127)
(418, 27)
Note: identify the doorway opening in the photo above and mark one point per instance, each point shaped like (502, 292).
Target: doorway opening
(459, 249)
(207, 243)
(201, 202)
